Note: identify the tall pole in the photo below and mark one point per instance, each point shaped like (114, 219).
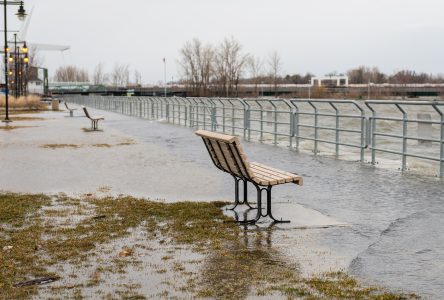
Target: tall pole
(6, 66)
(16, 58)
(164, 76)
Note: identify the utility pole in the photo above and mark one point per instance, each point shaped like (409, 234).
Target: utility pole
(164, 77)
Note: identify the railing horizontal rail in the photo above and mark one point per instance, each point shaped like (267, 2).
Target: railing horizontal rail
(295, 120)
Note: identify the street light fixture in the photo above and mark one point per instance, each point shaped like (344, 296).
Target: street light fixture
(21, 14)
(19, 64)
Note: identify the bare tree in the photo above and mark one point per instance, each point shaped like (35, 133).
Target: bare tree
(197, 65)
(275, 64)
(255, 65)
(205, 66)
(71, 74)
(120, 75)
(99, 77)
(137, 78)
(188, 64)
(230, 64)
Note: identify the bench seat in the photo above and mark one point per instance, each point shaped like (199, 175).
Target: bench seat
(265, 175)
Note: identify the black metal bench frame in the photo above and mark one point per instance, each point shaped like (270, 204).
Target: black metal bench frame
(71, 110)
(94, 120)
(245, 179)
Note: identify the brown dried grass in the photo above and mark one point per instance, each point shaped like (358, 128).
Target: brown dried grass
(31, 102)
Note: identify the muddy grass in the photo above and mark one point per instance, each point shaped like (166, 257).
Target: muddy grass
(21, 111)
(16, 118)
(75, 146)
(199, 253)
(9, 128)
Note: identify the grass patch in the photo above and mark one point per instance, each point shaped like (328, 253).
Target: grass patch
(127, 142)
(58, 146)
(102, 145)
(10, 128)
(88, 130)
(232, 269)
(25, 102)
(16, 119)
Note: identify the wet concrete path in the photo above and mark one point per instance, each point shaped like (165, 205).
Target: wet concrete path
(393, 222)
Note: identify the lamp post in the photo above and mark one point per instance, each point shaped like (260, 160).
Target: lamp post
(21, 14)
(19, 63)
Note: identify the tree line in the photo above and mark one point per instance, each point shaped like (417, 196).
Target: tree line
(219, 70)
(119, 75)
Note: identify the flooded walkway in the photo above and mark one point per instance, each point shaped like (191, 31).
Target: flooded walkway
(381, 226)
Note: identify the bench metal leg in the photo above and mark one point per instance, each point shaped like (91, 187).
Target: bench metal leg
(71, 113)
(236, 193)
(259, 208)
(268, 189)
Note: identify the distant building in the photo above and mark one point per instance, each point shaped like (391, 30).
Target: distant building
(329, 81)
(37, 81)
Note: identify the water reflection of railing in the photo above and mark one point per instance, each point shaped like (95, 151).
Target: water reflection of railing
(341, 123)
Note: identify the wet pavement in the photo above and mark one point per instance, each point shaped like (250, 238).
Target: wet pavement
(379, 225)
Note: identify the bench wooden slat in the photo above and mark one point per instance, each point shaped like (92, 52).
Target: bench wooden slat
(216, 136)
(282, 178)
(292, 177)
(265, 176)
(219, 155)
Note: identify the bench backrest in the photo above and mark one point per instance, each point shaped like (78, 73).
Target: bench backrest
(86, 112)
(226, 153)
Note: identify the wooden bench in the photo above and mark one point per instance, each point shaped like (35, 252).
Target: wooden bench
(227, 155)
(94, 119)
(71, 110)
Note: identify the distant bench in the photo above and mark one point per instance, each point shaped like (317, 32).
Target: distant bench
(94, 119)
(71, 110)
(227, 155)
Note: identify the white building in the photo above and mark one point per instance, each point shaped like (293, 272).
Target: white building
(337, 80)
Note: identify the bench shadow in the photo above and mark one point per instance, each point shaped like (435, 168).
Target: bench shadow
(91, 130)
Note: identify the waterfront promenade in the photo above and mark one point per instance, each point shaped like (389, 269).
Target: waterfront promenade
(379, 225)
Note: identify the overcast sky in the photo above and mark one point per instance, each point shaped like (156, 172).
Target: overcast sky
(317, 36)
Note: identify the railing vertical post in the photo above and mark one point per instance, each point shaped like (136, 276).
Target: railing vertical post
(441, 149)
(296, 126)
(262, 125)
(441, 165)
(404, 138)
(247, 120)
(275, 124)
(223, 117)
(204, 115)
(364, 134)
(336, 129)
(315, 127)
(372, 131)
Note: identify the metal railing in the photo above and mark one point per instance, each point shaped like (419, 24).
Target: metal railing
(404, 136)
(341, 124)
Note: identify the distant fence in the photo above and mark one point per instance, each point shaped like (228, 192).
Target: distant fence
(344, 128)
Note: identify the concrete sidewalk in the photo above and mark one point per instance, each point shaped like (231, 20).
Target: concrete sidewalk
(393, 222)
